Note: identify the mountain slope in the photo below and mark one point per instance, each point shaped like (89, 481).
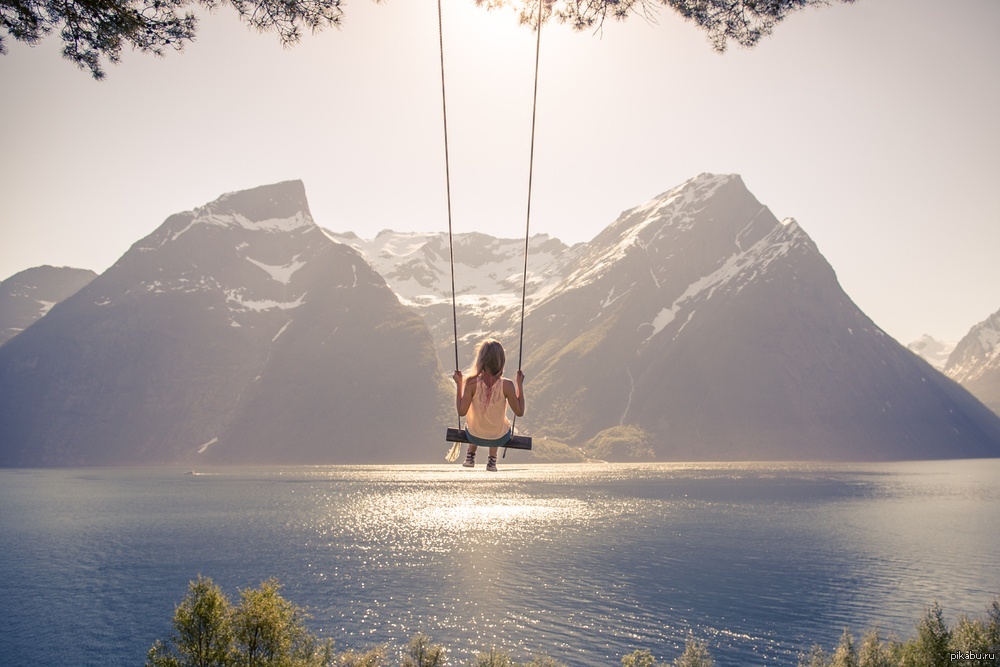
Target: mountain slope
(975, 362)
(488, 279)
(235, 333)
(934, 352)
(724, 334)
(28, 295)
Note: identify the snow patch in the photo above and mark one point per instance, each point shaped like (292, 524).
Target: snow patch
(280, 331)
(282, 274)
(416, 266)
(270, 225)
(204, 448)
(237, 302)
(980, 351)
(663, 318)
(758, 257)
(193, 222)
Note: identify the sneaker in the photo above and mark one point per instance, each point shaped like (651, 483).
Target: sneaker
(491, 464)
(470, 460)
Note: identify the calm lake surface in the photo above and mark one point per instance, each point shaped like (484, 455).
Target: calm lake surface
(584, 563)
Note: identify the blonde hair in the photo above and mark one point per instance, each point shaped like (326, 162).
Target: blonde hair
(489, 357)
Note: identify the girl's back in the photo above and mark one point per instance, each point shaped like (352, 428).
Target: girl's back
(487, 416)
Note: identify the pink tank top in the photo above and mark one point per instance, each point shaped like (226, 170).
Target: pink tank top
(487, 416)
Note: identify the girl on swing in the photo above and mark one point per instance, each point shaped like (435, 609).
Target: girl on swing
(483, 399)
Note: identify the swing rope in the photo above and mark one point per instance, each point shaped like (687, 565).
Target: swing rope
(531, 173)
(531, 169)
(447, 179)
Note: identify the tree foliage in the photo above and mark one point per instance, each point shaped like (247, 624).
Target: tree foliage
(264, 630)
(493, 658)
(695, 654)
(96, 30)
(421, 653)
(375, 657)
(270, 630)
(972, 642)
(639, 658)
(202, 630)
(93, 31)
(743, 22)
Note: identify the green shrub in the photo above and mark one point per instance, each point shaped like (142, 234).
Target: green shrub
(972, 643)
(492, 659)
(265, 630)
(639, 658)
(621, 443)
(695, 654)
(421, 653)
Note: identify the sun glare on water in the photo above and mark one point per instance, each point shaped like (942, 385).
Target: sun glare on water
(503, 514)
(448, 514)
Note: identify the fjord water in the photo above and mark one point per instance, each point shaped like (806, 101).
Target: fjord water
(581, 562)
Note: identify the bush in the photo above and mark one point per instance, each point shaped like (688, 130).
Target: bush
(972, 643)
(640, 658)
(264, 630)
(492, 659)
(621, 443)
(551, 451)
(695, 655)
(422, 654)
(375, 657)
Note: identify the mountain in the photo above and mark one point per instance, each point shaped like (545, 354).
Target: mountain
(696, 326)
(488, 280)
(28, 295)
(975, 362)
(234, 333)
(934, 352)
(722, 333)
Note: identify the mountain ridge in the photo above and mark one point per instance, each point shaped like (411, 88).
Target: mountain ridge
(631, 330)
(696, 326)
(234, 333)
(975, 361)
(28, 295)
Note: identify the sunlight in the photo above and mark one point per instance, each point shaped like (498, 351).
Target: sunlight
(443, 516)
(487, 27)
(468, 513)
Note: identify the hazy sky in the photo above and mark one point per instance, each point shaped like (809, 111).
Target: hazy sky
(873, 124)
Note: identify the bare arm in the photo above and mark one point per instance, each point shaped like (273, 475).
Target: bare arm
(464, 391)
(514, 391)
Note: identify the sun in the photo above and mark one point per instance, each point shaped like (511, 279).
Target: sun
(490, 24)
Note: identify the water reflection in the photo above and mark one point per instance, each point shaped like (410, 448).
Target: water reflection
(584, 562)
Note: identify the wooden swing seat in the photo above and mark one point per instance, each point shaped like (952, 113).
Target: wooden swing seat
(515, 442)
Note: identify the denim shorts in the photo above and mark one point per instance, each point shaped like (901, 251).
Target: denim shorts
(481, 442)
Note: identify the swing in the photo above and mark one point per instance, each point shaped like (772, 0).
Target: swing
(458, 435)
(515, 442)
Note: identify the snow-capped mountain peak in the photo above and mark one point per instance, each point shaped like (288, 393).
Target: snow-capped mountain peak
(488, 277)
(234, 332)
(29, 295)
(695, 327)
(978, 354)
(935, 352)
(249, 247)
